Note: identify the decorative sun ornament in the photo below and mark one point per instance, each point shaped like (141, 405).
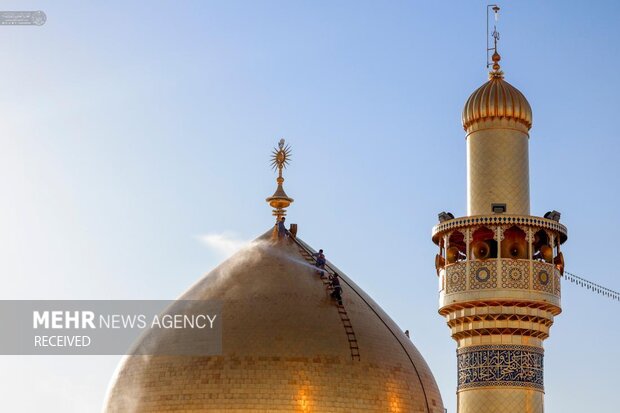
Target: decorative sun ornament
(280, 157)
(279, 201)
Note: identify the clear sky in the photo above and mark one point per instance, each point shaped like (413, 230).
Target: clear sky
(135, 137)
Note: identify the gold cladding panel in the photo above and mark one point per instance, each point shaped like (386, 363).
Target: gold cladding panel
(284, 349)
(268, 384)
(500, 400)
(497, 171)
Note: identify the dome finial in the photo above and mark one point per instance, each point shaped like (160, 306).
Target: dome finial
(495, 57)
(496, 68)
(280, 158)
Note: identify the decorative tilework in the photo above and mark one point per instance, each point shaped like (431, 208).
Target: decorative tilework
(500, 365)
(483, 275)
(515, 274)
(455, 278)
(542, 276)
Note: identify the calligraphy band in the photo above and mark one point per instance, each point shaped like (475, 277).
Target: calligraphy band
(500, 365)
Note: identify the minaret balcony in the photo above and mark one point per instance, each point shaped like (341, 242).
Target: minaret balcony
(499, 279)
(504, 258)
(498, 219)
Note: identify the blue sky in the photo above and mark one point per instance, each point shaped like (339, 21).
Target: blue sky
(131, 132)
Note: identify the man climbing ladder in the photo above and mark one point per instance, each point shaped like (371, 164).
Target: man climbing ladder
(337, 289)
(320, 261)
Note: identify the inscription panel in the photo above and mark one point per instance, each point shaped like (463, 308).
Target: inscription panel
(500, 365)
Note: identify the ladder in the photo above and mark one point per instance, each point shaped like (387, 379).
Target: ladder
(307, 252)
(342, 311)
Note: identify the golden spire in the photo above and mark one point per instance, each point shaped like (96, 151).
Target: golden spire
(279, 160)
(496, 101)
(496, 73)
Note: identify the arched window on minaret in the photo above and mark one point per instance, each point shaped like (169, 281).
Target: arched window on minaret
(457, 250)
(514, 244)
(541, 246)
(483, 244)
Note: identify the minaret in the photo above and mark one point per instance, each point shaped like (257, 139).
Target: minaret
(499, 267)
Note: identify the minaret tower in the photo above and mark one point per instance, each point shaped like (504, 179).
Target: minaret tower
(499, 267)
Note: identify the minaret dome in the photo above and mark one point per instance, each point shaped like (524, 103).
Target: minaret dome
(496, 100)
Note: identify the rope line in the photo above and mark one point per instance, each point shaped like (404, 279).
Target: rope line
(594, 287)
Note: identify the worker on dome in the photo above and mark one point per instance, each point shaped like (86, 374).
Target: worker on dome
(282, 232)
(335, 284)
(320, 261)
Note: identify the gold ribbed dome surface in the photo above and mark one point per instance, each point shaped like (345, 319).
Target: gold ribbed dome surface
(284, 348)
(497, 99)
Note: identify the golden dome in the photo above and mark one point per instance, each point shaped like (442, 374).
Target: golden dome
(497, 99)
(285, 347)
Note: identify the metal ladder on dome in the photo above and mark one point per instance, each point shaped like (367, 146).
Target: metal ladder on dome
(342, 311)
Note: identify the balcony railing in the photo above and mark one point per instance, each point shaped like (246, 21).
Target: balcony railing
(500, 277)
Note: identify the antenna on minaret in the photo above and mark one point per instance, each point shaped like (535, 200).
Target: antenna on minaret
(492, 8)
